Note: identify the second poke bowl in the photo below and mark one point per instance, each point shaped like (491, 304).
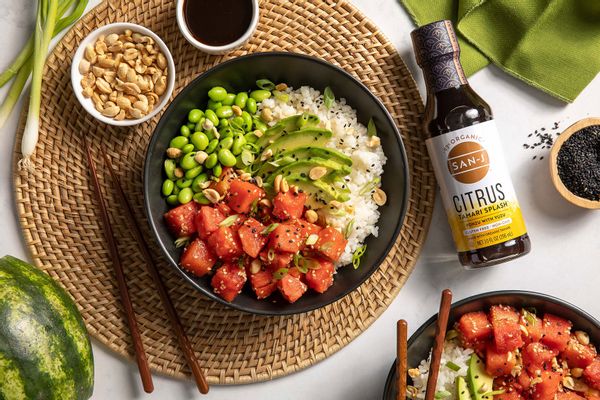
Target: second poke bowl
(276, 183)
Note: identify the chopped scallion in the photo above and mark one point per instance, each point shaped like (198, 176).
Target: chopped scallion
(453, 366)
(265, 84)
(229, 220)
(442, 394)
(357, 255)
(328, 97)
(371, 128)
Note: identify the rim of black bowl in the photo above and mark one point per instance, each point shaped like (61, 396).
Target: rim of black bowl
(374, 266)
(389, 383)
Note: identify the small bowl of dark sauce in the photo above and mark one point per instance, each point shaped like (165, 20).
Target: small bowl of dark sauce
(575, 163)
(217, 26)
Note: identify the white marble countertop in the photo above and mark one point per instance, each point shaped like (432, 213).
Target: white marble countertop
(564, 261)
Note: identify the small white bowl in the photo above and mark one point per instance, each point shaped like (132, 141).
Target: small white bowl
(119, 28)
(185, 31)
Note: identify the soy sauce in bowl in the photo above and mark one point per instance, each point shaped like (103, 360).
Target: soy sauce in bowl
(218, 23)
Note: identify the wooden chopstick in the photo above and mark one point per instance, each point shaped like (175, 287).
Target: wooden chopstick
(140, 354)
(401, 358)
(438, 344)
(184, 342)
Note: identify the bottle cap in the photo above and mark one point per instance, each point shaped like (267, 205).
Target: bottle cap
(434, 41)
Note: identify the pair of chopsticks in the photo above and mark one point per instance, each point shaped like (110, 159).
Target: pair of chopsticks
(436, 353)
(140, 354)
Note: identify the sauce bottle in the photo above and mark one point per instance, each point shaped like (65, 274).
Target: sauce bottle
(467, 158)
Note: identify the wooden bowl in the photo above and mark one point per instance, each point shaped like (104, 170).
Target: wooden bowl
(558, 183)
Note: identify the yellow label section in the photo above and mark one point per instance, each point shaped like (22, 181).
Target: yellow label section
(487, 226)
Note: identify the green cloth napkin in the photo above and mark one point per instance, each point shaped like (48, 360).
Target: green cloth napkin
(553, 45)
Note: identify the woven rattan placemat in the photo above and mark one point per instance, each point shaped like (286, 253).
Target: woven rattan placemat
(62, 230)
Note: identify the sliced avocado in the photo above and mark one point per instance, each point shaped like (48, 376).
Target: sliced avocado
(304, 166)
(319, 193)
(287, 125)
(302, 153)
(480, 382)
(462, 390)
(307, 137)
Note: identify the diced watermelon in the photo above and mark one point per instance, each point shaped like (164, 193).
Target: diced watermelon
(296, 273)
(286, 238)
(474, 328)
(242, 195)
(331, 243)
(514, 395)
(275, 260)
(589, 395)
(548, 387)
(505, 325)
(537, 357)
(263, 284)
(591, 374)
(320, 279)
(523, 380)
(568, 396)
(225, 243)
(197, 258)
(557, 332)
(533, 327)
(251, 236)
(228, 281)
(180, 220)
(208, 220)
(224, 182)
(291, 288)
(578, 355)
(289, 204)
(499, 363)
(224, 208)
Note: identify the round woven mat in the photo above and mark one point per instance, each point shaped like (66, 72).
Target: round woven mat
(61, 223)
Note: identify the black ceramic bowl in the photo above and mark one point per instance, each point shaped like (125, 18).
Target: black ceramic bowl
(420, 343)
(296, 70)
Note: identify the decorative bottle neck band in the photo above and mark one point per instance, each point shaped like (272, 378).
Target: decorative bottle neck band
(444, 73)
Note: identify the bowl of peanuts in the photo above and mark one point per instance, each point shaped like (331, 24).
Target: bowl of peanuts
(123, 74)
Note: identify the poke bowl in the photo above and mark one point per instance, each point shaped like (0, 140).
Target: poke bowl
(552, 354)
(269, 174)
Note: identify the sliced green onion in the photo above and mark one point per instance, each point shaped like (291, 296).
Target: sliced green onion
(338, 212)
(529, 317)
(269, 228)
(328, 97)
(281, 96)
(247, 157)
(371, 128)
(369, 186)
(280, 273)
(451, 334)
(357, 255)
(265, 84)
(492, 393)
(182, 241)
(442, 394)
(271, 255)
(348, 230)
(299, 262)
(453, 366)
(229, 220)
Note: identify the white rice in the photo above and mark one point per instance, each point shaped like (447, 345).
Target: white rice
(447, 377)
(349, 137)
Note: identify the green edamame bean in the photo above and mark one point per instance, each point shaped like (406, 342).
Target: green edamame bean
(178, 142)
(241, 99)
(229, 99)
(223, 123)
(190, 125)
(167, 187)
(172, 200)
(217, 170)
(238, 143)
(188, 148)
(237, 122)
(260, 95)
(188, 162)
(201, 199)
(176, 190)
(224, 112)
(213, 105)
(185, 196)
(251, 106)
(226, 132)
(200, 125)
(226, 143)
(183, 183)
(169, 167)
(211, 161)
(198, 181)
(250, 138)
(200, 140)
(194, 172)
(247, 118)
(226, 158)
(210, 135)
(184, 131)
(210, 114)
(217, 93)
(195, 115)
(212, 145)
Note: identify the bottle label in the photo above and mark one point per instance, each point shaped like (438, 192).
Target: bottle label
(477, 191)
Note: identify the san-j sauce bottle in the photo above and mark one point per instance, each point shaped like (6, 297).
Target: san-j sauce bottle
(467, 158)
